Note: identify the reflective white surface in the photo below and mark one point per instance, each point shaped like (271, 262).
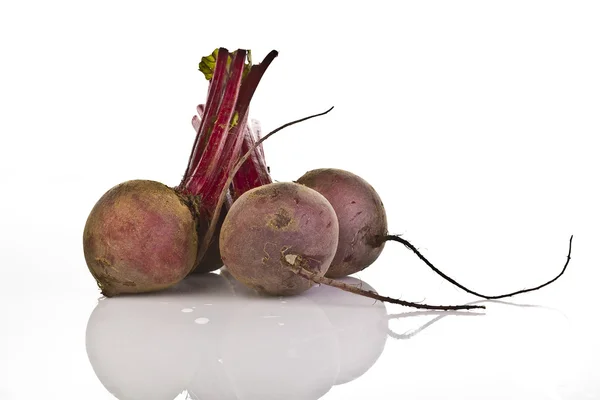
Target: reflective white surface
(214, 340)
(209, 338)
(477, 122)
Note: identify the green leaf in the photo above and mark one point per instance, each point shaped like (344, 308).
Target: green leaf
(234, 120)
(207, 64)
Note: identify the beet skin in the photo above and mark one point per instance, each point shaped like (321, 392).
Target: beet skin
(361, 216)
(274, 225)
(139, 237)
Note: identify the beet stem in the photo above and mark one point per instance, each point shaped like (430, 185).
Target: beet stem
(227, 134)
(236, 138)
(252, 80)
(311, 276)
(209, 162)
(215, 91)
(197, 120)
(254, 172)
(408, 245)
(229, 155)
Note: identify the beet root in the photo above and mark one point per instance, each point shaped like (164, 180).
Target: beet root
(276, 225)
(361, 216)
(139, 237)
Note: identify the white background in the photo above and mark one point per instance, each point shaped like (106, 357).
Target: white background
(476, 121)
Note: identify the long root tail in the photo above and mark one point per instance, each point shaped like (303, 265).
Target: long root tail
(409, 245)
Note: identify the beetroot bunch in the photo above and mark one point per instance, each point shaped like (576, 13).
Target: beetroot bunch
(143, 236)
(276, 238)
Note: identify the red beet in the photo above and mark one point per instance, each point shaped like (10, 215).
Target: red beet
(275, 223)
(139, 237)
(361, 216)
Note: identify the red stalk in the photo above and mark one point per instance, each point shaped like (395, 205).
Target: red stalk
(210, 157)
(254, 171)
(232, 149)
(222, 130)
(230, 154)
(213, 100)
(197, 120)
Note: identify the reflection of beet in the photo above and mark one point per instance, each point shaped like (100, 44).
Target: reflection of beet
(295, 336)
(361, 326)
(134, 351)
(213, 313)
(201, 337)
(279, 349)
(211, 381)
(139, 346)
